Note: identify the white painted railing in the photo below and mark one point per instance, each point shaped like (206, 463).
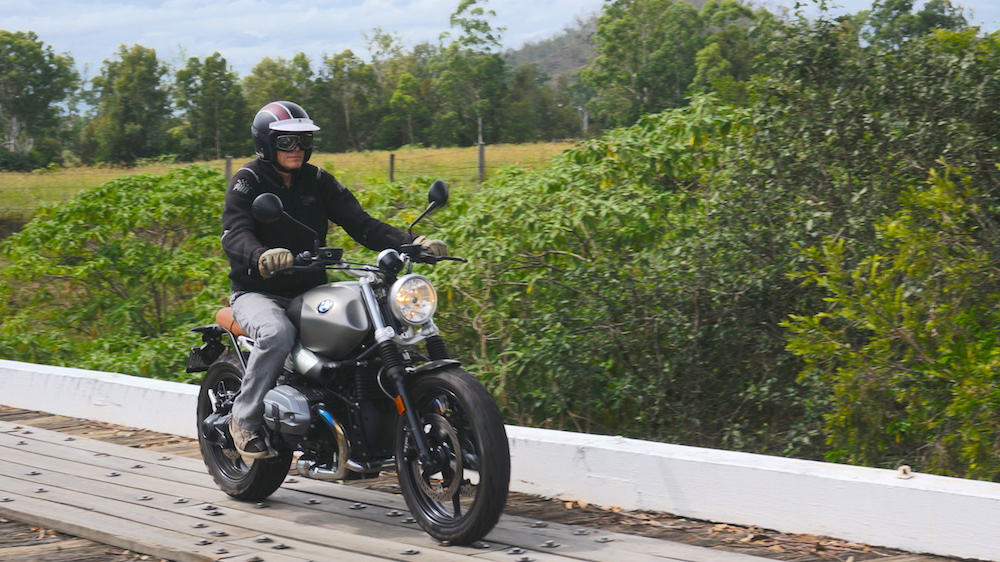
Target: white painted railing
(922, 513)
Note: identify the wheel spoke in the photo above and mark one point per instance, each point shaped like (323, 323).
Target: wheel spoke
(449, 503)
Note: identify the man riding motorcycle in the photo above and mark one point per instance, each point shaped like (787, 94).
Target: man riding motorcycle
(283, 140)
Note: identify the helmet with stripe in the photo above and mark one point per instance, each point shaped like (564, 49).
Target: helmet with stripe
(274, 119)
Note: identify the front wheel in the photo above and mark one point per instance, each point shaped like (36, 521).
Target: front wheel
(231, 473)
(461, 498)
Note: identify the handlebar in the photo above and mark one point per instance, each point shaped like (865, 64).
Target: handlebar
(326, 257)
(420, 254)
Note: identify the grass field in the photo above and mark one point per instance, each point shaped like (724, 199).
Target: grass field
(22, 193)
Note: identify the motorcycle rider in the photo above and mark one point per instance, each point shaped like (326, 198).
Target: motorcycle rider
(283, 140)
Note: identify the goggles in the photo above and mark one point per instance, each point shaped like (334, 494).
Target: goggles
(287, 143)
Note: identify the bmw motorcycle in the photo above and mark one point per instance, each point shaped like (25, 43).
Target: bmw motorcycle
(369, 386)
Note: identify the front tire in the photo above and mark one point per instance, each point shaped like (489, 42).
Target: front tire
(231, 473)
(462, 501)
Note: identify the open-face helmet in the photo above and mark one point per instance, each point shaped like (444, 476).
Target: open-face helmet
(281, 125)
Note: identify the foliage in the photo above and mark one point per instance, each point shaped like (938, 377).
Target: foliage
(841, 131)
(570, 306)
(907, 345)
(115, 278)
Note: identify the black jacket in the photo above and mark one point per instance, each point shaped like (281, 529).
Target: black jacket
(314, 198)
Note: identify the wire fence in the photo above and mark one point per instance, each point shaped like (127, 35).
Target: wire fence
(22, 193)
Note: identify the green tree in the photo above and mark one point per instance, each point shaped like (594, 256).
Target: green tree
(211, 99)
(33, 80)
(893, 22)
(732, 44)
(645, 58)
(404, 104)
(470, 79)
(133, 106)
(533, 111)
(278, 79)
(348, 101)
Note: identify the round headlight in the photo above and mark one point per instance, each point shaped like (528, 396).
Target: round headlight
(413, 299)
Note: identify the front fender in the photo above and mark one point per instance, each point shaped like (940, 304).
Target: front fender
(433, 366)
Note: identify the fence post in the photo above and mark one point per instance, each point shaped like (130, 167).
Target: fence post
(392, 167)
(482, 162)
(229, 168)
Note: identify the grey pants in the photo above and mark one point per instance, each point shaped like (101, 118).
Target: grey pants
(264, 318)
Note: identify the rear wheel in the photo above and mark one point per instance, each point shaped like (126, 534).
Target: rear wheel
(234, 476)
(460, 497)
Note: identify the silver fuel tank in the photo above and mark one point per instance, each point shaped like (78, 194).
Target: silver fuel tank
(331, 319)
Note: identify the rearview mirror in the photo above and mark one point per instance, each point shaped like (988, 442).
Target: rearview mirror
(438, 194)
(267, 208)
(437, 197)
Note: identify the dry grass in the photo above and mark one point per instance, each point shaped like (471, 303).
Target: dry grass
(22, 193)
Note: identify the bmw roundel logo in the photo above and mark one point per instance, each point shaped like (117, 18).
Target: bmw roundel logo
(324, 306)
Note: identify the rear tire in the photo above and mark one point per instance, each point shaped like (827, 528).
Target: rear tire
(250, 482)
(461, 502)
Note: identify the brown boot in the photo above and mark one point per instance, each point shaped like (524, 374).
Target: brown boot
(250, 444)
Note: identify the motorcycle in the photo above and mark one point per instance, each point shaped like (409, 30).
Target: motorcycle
(358, 395)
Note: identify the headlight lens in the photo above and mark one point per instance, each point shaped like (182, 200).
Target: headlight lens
(413, 299)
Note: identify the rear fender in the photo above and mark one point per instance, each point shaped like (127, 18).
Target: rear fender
(201, 358)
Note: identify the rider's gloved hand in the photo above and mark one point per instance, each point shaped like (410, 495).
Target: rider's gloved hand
(273, 260)
(436, 247)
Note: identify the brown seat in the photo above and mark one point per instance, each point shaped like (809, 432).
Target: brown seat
(224, 318)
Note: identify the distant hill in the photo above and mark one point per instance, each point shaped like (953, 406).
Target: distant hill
(565, 52)
(562, 54)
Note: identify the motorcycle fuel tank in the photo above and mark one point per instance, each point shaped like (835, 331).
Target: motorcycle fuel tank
(331, 319)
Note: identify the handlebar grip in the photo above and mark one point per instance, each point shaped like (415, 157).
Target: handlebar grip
(303, 258)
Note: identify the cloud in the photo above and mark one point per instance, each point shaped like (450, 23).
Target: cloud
(246, 31)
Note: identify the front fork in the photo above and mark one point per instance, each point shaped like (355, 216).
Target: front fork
(392, 363)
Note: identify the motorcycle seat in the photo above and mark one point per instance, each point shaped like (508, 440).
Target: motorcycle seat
(224, 318)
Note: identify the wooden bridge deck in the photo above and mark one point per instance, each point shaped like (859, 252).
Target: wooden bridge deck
(148, 493)
(167, 506)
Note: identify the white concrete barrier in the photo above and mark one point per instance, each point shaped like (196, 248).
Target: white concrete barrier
(922, 513)
(94, 395)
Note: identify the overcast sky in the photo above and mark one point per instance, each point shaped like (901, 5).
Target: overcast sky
(246, 31)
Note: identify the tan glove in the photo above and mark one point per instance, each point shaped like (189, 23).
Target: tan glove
(273, 260)
(436, 247)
